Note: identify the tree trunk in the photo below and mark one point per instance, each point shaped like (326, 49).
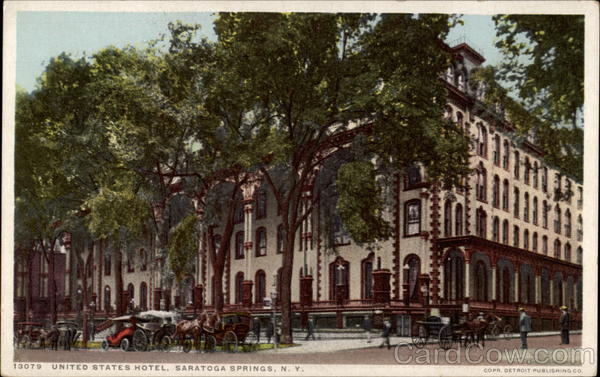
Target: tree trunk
(52, 287)
(286, 288)
(118, 282)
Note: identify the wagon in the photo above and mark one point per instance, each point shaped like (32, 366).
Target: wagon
(499, 329)
(436, 329)
(232, 331)
(29, 334)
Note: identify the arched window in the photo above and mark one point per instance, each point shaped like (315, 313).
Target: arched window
(545, 288)
(505, 285)
(260, 286)
(505, 195)
(557, 219)
(412, 218)
(534, 242)
(545, 245)
(505, 232)
(481, 183)
(517, 168)
(413, 177)
(516, 236)
(261, 242)
(339, 278)
(239, 245)
(481, 223)
(412, 267)
(496, 229)
(448, 218)
(534, 216)
(557, 247)
(496, 192)
(143, 296)
(568, 223)
(481, 281)
(187, 293)
(526, 168)
(107, 263)
(496, 156)
(280, 238)
(506, 155)
(579, 255)
(568, 252)
(516, 204)
(545, 214)
(458, 228)
(545, 179)
(130, 291)
(107, 299)
(526, 239)
(535, 174)
(143, 260)
(579, 228)
(367, 278)
(238, 216)
(261, 204)
(239, 287)
(526, 207)
(482, 140)
(454, 276)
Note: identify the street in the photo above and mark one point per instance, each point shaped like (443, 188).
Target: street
(354, 351)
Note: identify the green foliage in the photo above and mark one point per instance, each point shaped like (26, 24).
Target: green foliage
(183, 246)
(360, 203)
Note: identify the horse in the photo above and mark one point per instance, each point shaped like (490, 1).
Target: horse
(185, 327)
(474, 329)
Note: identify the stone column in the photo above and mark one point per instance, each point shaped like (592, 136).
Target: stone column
(517, 287)
(538, 286)
(494, 283)
(552, 298)
(467, 283)
(564, 291)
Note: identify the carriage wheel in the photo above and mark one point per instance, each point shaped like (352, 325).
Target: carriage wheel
(165, 343)
(125, 344)
(420, 338)
(506, 331)
(251, 341)
(494, 333)
(230, 342)
(39, 343)
(105, 345)
(208, 343)
(445, 337)
(140, 341)
(187, 345)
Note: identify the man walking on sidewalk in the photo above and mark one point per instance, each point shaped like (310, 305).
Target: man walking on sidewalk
(387, 326)
(564, 325)
(367, 326)
(524, 327)
(310, 329)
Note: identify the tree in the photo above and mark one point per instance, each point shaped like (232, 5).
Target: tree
(544, 60)
(316, 80)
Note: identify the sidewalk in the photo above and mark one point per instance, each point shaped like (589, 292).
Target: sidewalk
(337, 344)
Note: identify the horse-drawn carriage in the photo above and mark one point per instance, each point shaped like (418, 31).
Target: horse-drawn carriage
(142, 331)
(446, 333)
(227, 330)
(29, 334)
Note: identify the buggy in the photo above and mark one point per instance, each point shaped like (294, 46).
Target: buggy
(146, 329)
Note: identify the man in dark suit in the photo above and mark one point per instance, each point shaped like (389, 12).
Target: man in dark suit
(269, 331)
(524, 327)
(310, 329)
(387, 327)
(256, 328)
(564, 325)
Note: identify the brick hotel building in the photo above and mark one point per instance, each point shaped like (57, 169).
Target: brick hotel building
(512, 238)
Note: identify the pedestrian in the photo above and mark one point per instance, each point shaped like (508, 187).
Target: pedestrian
(387, 326)
(524, 327)
(256, 328)
(564, 325)
(367, 326)
(269, 331)
(67, 336)
(53, 338)
(310, 329)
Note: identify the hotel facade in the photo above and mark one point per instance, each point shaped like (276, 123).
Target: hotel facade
(511, 238)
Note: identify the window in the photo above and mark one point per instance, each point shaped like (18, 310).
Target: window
(412, 218)
(526, 239)
(461, 81)
(568, 223)
(526, 207)
(340, 237)
(545, 179)
(496, 229)
(534, 242)
(505, 195)
(557, 247)
(144, 259)
(536, 175)
(557, 219)
(261, 242)
(339, 278)
(579, 197)
(130, 291)
(568, 252)
(505, 232)
(496, 192)
(534, 213)
(496, 156)
(482, 140)
(143, 296)
(107, 263)
(450, 75)
(239, 245)
(458, 228)
(557, 186)
(481, 219)
(481, 281)
(367, 278)
(517, 167)
(261, 204)
(448, 218)
(545, 245)
(413, 177)
(506, 155)
(545, 214)
(107, 305)
(481, 183)
(280, 238)
(516, 236)
(239, 287)
(411, 277)
(516, 202)
(579, 228)
(239, 212)
(579, 255)
(131, 262)
(260, 283)
(527, 168)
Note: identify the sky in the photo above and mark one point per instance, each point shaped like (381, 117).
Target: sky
(43, 35)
